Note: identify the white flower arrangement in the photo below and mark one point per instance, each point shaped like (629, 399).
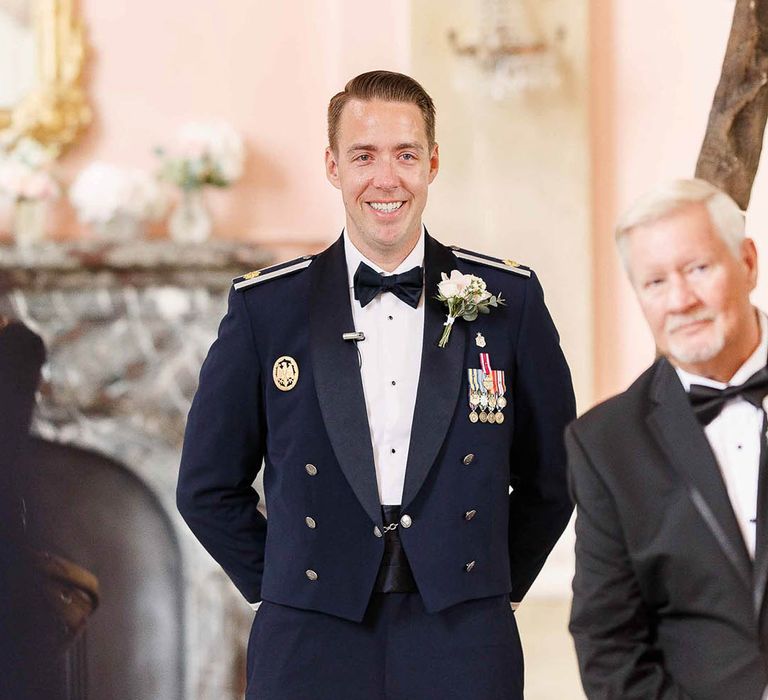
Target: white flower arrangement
(465, 296)
(103, 192)
(203, 153)
(25, 172)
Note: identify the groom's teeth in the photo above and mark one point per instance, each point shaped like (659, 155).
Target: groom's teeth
(386, 207)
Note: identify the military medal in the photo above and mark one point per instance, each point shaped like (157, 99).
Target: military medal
(480, 340)
(474, 394)
(501, 402)
(285, 373)
(483, 400)
(489, 383)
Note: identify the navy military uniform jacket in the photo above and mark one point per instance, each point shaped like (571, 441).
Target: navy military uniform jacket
(316, 447)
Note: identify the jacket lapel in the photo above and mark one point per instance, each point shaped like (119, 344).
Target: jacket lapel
(336, 369)
(678, 431)
(761, 544)
(440, 377)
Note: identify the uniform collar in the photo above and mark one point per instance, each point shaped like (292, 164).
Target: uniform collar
(355, 257)
(755, 362)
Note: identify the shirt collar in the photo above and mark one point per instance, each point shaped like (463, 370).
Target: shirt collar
(754, 363)
(355, 257)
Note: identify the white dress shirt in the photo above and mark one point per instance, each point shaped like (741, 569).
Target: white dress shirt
(391, 363)
(735, 437)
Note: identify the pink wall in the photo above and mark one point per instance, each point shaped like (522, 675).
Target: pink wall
(655, 65)
(268, 68)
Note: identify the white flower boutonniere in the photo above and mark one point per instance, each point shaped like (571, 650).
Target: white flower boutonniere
(465, 296)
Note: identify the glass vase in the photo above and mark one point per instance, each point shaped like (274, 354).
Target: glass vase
(29, 222)
(190, 221)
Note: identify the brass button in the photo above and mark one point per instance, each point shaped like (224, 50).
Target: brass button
(311, 469)
(311, 524)
(311, 575)
(406, 521)
(469, 566)
(468, 459)
(377, 531)
(470, 514)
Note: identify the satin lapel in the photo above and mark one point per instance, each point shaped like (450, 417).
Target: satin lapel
(336, 369)
(761, 545)
(673, 422)
(440, 378)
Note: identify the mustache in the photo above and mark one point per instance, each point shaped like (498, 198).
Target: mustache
(677, 321)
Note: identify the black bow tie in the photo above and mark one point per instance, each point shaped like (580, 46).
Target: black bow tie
(406, 286)
(707, 401)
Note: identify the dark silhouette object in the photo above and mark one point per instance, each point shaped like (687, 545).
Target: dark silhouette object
(26, 617)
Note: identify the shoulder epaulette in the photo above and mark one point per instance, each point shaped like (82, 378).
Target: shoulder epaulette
(272, 272)
(508, 265)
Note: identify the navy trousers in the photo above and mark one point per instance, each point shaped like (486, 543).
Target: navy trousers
(398, 652)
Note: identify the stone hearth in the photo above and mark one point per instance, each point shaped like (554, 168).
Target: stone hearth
(127, 328)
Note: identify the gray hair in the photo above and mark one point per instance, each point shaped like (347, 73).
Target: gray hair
(726, 216)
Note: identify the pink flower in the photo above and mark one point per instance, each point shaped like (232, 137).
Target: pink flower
(454, 285)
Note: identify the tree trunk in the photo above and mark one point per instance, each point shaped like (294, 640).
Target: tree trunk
(734, 138)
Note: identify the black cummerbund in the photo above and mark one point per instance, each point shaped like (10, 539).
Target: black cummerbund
(395, 574)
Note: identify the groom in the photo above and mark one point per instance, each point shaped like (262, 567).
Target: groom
(394, 545)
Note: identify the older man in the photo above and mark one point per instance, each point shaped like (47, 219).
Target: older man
(670, 477)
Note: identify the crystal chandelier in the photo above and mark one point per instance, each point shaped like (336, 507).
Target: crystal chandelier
(510, 53)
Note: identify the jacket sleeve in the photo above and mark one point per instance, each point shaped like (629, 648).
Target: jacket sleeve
(544, 404)
(611, 625)
(223, 452)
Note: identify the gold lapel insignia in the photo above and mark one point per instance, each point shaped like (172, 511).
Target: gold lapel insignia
(480, 340)
(285, 373)
(251, 275)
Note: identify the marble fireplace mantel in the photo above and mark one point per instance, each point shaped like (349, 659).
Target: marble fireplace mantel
(126, 328)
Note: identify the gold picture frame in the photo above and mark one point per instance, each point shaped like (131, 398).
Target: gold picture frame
(56, 110)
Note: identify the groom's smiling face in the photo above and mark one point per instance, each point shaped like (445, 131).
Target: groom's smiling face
(383, 164)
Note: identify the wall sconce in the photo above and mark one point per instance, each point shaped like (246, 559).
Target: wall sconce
(511, 55)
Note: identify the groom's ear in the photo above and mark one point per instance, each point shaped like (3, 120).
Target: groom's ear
(332, 168)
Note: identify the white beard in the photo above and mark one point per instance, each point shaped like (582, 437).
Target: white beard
(693, 351)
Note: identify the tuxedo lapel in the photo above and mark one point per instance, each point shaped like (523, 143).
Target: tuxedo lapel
(440, 376)
(761, 545)
(674, 424)
(336, 368)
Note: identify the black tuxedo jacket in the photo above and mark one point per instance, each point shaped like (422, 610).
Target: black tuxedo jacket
(667, 602)
(315, 442)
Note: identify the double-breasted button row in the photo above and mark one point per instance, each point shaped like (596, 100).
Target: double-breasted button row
(470, 514)
(311, 524)
(311, 469)
(311, 575)
(468, 459)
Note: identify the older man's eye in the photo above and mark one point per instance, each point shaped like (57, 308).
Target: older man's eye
(653, 283)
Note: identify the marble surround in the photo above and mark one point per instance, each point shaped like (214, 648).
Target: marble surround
(127, 327)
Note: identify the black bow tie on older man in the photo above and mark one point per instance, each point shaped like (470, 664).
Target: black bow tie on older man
(406, 286)
(707, 401)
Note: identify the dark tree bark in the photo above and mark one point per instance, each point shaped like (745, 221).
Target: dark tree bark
(734, 138)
